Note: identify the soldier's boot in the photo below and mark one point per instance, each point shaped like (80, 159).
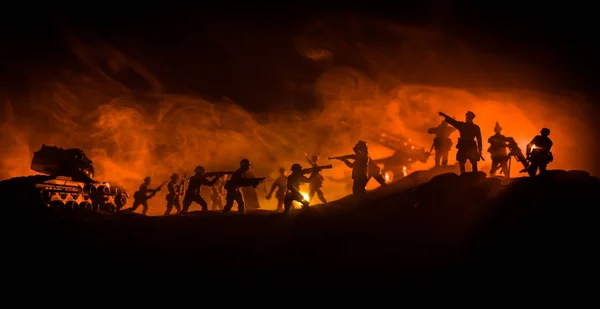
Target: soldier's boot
(462, 167)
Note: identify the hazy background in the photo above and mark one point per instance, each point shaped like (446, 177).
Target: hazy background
(159, 89)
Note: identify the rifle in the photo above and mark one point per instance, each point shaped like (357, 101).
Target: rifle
(181, 189)
(245, 182)
(141, 198)
(316, 168)
(341, 158)
(219, 173)
(430, 151)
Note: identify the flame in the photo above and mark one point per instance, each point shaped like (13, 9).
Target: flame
(404, 171)
(387, 176)
(305, 196)
(533, 147)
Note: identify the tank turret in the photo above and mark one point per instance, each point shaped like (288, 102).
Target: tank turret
(68, 182)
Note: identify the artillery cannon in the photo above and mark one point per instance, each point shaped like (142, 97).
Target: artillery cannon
(67, 183)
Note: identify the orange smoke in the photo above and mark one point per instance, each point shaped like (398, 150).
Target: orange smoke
(131, 134)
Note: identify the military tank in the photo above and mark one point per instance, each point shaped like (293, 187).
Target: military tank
(405, 154)
(67, 183)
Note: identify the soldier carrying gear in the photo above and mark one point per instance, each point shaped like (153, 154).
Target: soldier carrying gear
(360, 168)
(232, 186)
(442, 142)
(293, 188)
(539, 152)
(470, 142)
(498, 146)
(316, 179)
(173, 195)
(142, 196)
(193, 192)
(280, 184)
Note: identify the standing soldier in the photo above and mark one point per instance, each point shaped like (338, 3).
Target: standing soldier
(280, 185)
(193, 192)
(498, 145)
(442, 142)
(174, 193)
(539, 152)
(360, 168)
(316, 179)
(142, 196)
(233, 185)
(293, 188)
(216, 194)
(469, 144)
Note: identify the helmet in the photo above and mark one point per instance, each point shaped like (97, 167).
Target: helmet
(470, 114)
(147, 179)
(199, 169)
(245, 162)
(296, 167)
(545, 131)
(497, 127)
(314, 158)
(175, 176)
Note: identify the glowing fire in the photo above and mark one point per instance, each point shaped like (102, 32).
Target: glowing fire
(404, 171)
(533, 147)
(387, 177)
(305, 196)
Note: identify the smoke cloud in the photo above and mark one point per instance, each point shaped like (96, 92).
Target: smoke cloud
(371, 73)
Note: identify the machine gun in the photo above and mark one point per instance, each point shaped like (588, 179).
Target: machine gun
(316, 168)
(219, 173)
(246, 182)
(341, 158)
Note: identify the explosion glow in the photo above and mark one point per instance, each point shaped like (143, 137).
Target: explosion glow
(130, 134)
(305, 195)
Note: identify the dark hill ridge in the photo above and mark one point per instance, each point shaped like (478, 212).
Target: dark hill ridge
(447, 223)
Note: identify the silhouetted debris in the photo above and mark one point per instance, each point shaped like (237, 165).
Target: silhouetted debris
(448, 223)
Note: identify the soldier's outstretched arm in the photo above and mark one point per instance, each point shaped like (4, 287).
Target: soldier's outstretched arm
(212, 182)
(304, 179)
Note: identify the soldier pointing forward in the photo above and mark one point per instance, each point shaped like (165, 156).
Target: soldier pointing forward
(469, 143)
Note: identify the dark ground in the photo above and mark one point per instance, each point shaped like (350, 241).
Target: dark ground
(457, 226)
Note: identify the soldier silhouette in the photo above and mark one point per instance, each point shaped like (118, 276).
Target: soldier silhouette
(498, 152)
(469, 144)
(238, 180)
(442, 142)
(216, 194)
(280, 184)
(293, 188)
(194, 193)
(360, 168)
(142, 196)
(316, 179)
(174, 189)
(539, 152)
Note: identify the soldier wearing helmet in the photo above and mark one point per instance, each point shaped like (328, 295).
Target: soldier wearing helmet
(442, 142)
(360, 168)
(280, 184)
(238, 180)
(316, 179)
(498, 151)
(293, 188)
(469, 143)
(539, 152)
(194, 193)
(174, 188)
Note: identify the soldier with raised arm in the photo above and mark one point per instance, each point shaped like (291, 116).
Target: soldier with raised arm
(174, 189)
(280, 184)
(238, 180)
(469, 143)
(442, 142)
(539, 152)
(193, 192)
(316, 179)
(293, 188)
(498, 152)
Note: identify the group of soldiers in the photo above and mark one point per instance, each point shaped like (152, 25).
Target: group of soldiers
(287, 188)
(502, 148)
